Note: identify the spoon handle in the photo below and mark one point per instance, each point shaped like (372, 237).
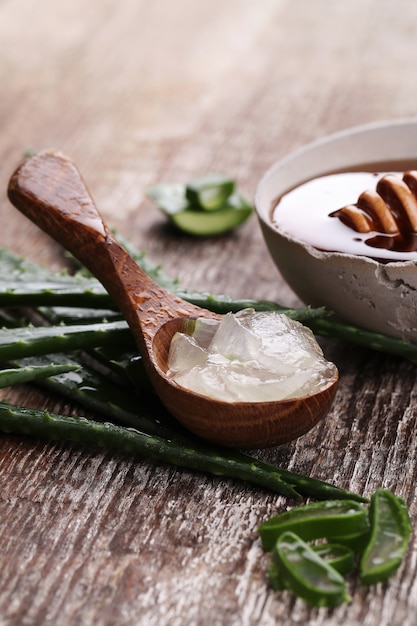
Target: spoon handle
(49, 190)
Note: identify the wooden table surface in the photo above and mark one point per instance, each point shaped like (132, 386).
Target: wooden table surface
(138, 92)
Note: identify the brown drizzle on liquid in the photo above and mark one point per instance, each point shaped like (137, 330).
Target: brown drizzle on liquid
(388, 214)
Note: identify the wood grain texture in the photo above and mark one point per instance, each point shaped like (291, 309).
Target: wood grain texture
(139, 92)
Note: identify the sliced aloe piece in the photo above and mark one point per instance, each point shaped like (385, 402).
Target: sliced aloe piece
(209, 192)
(338, 556)
(305, 573)
(210, 223)
(316, 520)
(390, 536)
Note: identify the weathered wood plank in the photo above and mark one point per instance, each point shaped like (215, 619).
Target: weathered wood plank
(138, 92)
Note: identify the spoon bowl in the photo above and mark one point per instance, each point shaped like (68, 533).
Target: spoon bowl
(50, 191)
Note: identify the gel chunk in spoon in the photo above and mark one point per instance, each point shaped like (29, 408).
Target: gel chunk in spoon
(249, 357)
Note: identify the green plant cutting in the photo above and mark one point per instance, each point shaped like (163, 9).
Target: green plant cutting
(372, 541)
(204, 207)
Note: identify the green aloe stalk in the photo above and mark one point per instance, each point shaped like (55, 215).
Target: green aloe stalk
(36, 340)
(30, 373)
(195, 455)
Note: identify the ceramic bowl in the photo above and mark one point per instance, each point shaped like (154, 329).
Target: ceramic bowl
(376, 295)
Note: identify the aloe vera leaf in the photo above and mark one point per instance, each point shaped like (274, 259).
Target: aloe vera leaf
(116, 358)
(25, 284)
(30, 373)
(19, 269)
(195, 455)
(51, 426)
(53, 293)
(77, 315)
(36, 340)
(98, 393)
(224, 304)
(121, 359)
(94, 298)
(364, 338)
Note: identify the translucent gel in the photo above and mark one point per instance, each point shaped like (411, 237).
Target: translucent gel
(249, 357)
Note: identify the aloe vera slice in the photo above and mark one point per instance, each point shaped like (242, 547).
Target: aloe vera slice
(338, 556)
(308, 575)
(316, 520)
(390, 535)
(341, 558)
(209, 192)
(211, 223)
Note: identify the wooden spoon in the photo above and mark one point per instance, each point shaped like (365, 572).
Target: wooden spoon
(49, 189)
